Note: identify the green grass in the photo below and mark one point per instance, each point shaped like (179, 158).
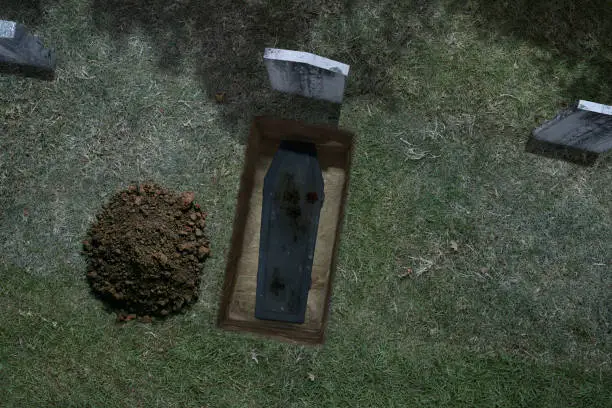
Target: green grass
(442, 96)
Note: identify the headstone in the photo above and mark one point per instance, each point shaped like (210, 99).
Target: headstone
(306, 74)
(587, 126)
(292, 201)
(24, 53)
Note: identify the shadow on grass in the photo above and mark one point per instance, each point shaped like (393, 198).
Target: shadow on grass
(223, 42)
(28, 12)
(575, 32)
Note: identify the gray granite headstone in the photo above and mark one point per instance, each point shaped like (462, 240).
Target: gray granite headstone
(587, 126)
(306, 74)
(24, 53)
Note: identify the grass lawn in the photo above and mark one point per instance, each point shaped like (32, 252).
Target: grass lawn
(509, 302)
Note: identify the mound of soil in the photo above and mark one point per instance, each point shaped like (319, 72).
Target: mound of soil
(145, 250)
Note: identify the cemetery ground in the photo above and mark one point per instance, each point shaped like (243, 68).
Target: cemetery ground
(470, 272)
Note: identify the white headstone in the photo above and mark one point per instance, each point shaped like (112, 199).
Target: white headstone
(23, 52)
(306, 74)
(7, 29)
(595, 107)
(586, 126)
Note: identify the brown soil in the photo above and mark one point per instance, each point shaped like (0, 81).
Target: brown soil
(145, 250)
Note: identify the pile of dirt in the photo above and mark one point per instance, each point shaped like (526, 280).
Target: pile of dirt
(145, 250)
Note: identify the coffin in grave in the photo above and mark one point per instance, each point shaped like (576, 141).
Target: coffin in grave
(292, 200)
(238, 308)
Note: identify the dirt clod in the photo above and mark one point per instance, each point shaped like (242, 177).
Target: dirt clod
(143, 263)
(145, 319)
(203, 252)
(187, 199)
